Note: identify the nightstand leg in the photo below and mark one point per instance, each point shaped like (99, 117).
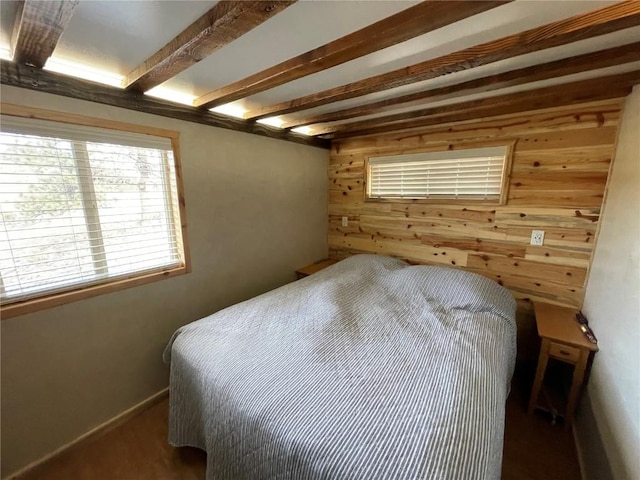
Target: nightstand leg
(576, 386)
(537, 383)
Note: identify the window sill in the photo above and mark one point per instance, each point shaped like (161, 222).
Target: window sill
(11, 310)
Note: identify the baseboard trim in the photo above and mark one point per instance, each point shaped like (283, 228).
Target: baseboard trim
(94, 432)
(579, 454)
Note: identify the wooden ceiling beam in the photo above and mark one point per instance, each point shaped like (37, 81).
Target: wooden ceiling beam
(613, 86)
(37, 29)
(466, 117)
(545, 71)
(412, 22)
(580, 27)
(23, 76)
(225, 22)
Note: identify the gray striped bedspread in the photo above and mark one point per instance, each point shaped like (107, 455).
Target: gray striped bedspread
(369, 369)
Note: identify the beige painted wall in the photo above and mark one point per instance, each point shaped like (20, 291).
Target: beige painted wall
(612, 305)
(256, 210)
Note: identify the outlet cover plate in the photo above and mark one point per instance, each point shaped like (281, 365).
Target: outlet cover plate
(537, 237)
(345, 221)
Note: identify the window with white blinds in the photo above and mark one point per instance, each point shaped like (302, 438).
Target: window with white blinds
(466, 174)
(83, 206)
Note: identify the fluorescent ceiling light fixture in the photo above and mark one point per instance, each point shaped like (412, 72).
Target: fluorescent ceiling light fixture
(68, 67)
(5, 52)
(171, 95)
(231, 109)
(302, 130)
(272, 121)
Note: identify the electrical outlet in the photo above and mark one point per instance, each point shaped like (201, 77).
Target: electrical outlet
(537, 237)
(345, 221)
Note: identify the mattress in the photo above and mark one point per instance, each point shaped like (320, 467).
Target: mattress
(369, 369)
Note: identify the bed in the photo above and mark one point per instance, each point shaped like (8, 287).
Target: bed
(369, 369)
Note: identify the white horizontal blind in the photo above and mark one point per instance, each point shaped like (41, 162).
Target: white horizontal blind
(81, 206)
(456, 174)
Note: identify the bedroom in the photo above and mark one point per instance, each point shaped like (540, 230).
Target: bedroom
(309, 100)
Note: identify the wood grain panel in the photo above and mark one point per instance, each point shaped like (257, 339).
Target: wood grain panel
(574, 238)
(509, 249)
(444, 228)
(525, 268)
(358, 208)
(536, 289)
(557, 256)
(222, 24)
(591, 159)
(348, 170)
(603, 113)
(416, 252)
(477, 213)
(567, 188)
(561, 161)
(350, 183)
(548, 217)
(587, 137)
(38, 28)
(554, 198)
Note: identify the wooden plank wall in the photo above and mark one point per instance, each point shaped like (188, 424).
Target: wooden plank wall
(557, 183)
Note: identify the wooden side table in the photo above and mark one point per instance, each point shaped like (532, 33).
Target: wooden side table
(316, 267)
(561, 339)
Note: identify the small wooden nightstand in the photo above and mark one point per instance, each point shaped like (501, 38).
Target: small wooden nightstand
(316, 267)
(561, 339)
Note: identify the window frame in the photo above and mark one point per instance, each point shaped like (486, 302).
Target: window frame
(504, 186)
(49, 300)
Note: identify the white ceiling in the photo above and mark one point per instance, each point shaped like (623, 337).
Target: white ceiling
(115, 36)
